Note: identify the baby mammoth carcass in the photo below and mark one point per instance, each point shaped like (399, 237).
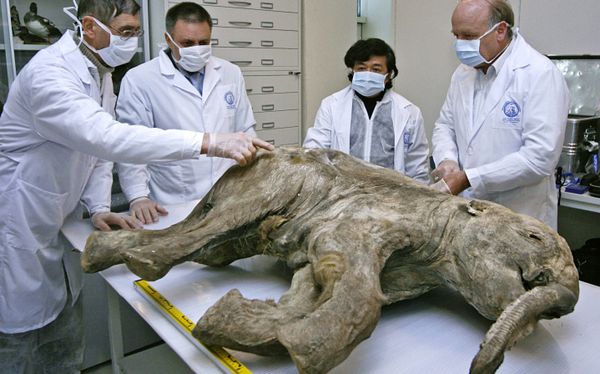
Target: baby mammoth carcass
(358, 237)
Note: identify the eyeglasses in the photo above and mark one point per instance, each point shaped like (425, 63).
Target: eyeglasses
(128, 33)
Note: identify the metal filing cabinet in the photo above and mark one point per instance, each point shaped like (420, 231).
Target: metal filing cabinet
(263, 39)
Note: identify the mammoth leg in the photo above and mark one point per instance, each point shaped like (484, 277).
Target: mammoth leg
(518, 320)
(333, 304)
(251, 325)
(231, 212)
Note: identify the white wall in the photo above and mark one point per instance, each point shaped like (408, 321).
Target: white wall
(562, 27)
(328, 30)
(381, 20)
(424, 54)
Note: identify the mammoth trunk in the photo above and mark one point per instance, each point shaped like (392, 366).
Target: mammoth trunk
(518, 320)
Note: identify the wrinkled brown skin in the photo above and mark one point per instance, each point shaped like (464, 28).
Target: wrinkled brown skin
(357, 237)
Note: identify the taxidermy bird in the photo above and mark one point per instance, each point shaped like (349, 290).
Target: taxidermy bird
(19, 31)
(40, 26)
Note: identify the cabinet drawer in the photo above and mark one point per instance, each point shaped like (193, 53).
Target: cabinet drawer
(266, 84)
(277, 5)
(257, 38)
(256, 57)
(277, 120)
(274, 102)
(289, 136)
(252, 19)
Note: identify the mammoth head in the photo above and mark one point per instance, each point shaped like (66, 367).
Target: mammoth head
(503, 255)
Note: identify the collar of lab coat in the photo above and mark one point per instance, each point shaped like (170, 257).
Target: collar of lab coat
(211, 75)
(519, 58)
(73, 56)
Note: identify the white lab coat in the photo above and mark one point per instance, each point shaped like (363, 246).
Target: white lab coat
(509, 157)
(156, 94)
(53, 135)
(333, 122)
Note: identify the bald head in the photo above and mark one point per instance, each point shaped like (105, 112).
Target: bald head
(479, 15)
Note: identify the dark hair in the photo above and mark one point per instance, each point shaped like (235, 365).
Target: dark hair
(363, 50)
(106, 10)
(188, 12)
(500, 10)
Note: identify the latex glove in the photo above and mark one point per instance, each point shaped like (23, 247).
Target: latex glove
(102, 221)
(146, 210)
(444, 168)
(441, 186)
(238, 146)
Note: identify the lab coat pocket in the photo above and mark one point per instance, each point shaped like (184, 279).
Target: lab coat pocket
(35, 215)
(509, 112)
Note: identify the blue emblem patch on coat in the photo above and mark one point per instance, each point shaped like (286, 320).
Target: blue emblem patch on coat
(230, 100)
(512, 112)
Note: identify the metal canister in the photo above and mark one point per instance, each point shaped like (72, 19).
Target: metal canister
(573, 156)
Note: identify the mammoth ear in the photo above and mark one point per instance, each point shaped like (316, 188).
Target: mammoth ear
(475, 207)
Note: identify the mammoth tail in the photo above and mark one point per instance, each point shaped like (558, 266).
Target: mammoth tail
(519, 319)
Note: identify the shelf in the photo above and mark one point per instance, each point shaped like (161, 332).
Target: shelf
(583, 201)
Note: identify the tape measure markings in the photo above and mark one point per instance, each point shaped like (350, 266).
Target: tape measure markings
(183, 322)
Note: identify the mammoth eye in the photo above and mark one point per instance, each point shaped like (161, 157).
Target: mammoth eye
(540, 280)
(535, 236)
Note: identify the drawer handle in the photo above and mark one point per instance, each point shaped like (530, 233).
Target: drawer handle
(215, 21)
(272, 141)
(214, 42)
(268, 125)
(210, 1)
(267, 24)
(240, 3)
(240, 23)
(267, 89)
(240, 63)
(265, 5)
(239, 43)
(267, 43)
(268, 107)
(249, 90)
(267, 61)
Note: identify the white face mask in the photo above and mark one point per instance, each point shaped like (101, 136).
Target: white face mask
(368, 83)
(192, 59)
(468, 53)
(119, 51)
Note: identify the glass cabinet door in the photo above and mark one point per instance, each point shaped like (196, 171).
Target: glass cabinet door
(29, 26)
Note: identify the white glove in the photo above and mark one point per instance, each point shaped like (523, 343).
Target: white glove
(239, 146)
(441, 186)
(444, 168)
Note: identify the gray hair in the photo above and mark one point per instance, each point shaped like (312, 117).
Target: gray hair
(501, 10)
(106, 10)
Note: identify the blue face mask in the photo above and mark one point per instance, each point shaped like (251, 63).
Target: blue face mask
(468, 53)
(368, 83)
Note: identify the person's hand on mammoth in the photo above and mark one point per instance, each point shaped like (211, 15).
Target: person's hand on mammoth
(104, 220)
(238, 146)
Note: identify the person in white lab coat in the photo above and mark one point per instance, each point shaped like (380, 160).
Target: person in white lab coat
(55, 131)
(185, 87)
(370, 121)
(500, 130)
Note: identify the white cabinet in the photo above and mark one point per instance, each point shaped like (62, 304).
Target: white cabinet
(263, 39)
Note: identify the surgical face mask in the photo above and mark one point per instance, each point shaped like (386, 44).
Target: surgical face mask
(119, 51)
(468, 53)
(194, 58)
(368, 83)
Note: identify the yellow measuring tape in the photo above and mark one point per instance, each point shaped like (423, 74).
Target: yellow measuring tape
(187, 325)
